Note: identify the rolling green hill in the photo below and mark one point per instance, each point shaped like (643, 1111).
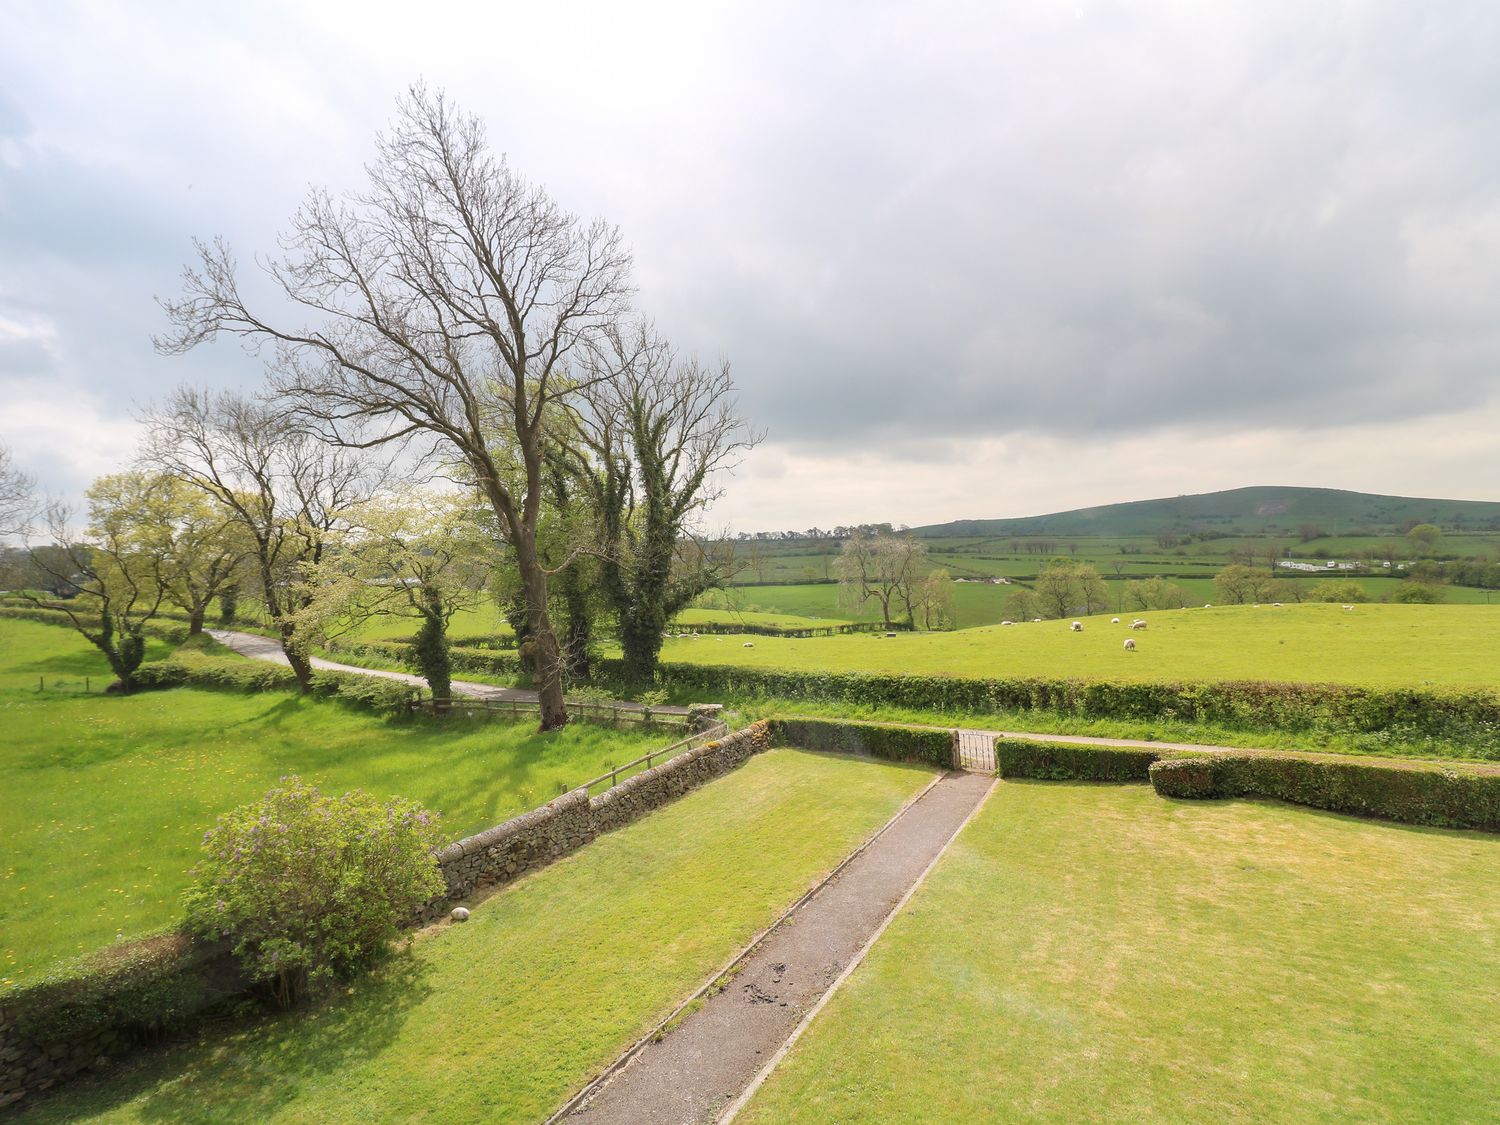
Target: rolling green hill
(1259, 510)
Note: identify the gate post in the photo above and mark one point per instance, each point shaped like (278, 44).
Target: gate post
(956, 757)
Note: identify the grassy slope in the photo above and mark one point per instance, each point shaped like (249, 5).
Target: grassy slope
(1098, 953)
(107, 797)
(1374, 644)
(499, 1019)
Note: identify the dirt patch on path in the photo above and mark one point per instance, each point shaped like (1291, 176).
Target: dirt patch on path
(700, 1067)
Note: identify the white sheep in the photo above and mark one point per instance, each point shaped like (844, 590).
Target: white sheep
(1007, 622)
(1348, 607)
(1137, 624)
(748, 644)
(1129, 644)
(1076, 627)
(1036, 620)
(1276, 604)
(1207, 605)
(1114, 620)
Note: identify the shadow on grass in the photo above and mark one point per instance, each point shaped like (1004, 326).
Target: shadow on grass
(248, 1074)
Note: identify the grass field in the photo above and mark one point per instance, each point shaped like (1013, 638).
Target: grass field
(1097, 953)
(500, 1019)
(108, 797)
(1373, 644)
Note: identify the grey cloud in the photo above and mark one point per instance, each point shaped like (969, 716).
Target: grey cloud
(907, 224)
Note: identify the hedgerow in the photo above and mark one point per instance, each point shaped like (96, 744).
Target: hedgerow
(879, 740)
(1468, 719)
(1055, 761)
(187, 669)
(162, 630)
(1441, 797)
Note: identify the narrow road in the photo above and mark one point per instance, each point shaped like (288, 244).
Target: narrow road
(698, 1069)
(257, 647)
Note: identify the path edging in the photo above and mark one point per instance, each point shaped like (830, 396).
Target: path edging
(602, 1079)
(759, 1080)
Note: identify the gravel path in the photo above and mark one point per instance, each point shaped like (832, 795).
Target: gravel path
(258, 647)
(698, 1069)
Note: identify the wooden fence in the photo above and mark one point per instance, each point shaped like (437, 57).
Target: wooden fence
(576, 708)
(666, 753)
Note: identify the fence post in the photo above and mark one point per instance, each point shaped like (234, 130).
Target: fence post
(958, 757)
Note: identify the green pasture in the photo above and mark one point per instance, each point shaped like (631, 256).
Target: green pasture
(107, 797)
(1442, 645)
(1097, 953)
(500, 1019)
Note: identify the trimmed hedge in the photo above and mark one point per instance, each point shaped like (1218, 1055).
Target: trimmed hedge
(894, 743)
(1056, 761)
(138, 989)
(1439, 797)
(1466, 718)
(384, 697)
(172, 634)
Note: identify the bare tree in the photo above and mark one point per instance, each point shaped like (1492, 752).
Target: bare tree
(879, 567)
(16, 496)
(450, 301)
(287, 492)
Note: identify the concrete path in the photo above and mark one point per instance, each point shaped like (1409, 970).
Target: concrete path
(258, 647)
(698, 1070)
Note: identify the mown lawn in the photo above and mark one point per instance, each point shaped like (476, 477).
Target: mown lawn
(500, 1019)
(1372, 644)
(107, 798)
(1097, 953)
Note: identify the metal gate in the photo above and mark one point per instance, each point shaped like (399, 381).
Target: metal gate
(976, 750)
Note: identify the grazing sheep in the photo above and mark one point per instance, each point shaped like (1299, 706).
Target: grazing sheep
(1137, 624)
(1129, 644)
(748, 644)
(1276, 604)
(1207, 605)
(1114, 620)
(1036, 620)
(1007, 622)
(1076, 627)
(1348, 607)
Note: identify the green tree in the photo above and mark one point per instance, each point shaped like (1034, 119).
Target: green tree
(1424, 538)
(423, 556)
(1239, 584)
(1056, 588)
(118, 587)
(1020, 605)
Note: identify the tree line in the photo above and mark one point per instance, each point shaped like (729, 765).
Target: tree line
(460, 393)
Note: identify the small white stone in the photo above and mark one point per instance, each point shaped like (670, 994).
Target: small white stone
(460, 914)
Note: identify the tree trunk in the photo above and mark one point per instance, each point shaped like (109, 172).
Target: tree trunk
(195, 621)
(545, 651)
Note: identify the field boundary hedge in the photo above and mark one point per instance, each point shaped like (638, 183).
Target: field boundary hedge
(1469, 718)
(172, 634)
(892, 742)
(383, 696)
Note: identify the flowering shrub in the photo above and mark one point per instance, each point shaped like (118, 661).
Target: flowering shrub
(309, 887)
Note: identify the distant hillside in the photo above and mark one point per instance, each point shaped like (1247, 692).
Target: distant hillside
(1262, 509)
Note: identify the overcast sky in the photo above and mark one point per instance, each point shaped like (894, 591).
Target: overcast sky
(968, 260)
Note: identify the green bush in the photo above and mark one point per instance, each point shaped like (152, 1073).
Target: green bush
(162, 630)
(1055, 761)
(1408, 793)
(136, 990)
(894, 743)
(309, 887)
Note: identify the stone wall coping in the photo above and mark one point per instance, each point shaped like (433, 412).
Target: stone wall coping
(516, 825)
